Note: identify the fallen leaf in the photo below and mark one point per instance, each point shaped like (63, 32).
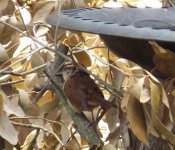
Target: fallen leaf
(139, 89)
(158, 125)
(36, 60)
(1, 105)
(156, 102)
(46, 98)
(43, 12)
(31, 80)
(83, 58)
(10, 107)
(3, 4)
(24, 99)
(150, 127)
(136, 119)
(109, 147)
(164, 60)
(73, 144)
(7, 131)
(65, 134)
(3, 53)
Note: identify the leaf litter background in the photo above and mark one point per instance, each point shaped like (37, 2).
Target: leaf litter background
(39, 122)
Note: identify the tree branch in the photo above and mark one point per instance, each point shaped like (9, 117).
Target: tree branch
(82, 123)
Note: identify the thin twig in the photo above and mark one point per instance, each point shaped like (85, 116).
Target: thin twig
(36, 40)
(23, 20)
(26, 72)
(38, 127)
(12, 82)
(32, 117)
(19, 60)
(78, 49)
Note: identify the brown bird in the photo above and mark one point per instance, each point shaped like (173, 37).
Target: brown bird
(83, 93)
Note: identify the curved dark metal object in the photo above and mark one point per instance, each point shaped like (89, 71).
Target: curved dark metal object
(126, 31)
(140, 23)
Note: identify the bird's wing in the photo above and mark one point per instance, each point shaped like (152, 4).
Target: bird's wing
(141, 23)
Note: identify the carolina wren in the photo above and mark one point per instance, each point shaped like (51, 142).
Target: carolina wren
(83, 93)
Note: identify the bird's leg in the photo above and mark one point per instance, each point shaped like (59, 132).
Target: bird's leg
(95, 122)
(100, 117)
(72, 134)
(92, 114)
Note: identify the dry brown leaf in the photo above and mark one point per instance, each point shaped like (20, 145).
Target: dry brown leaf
(2, 26)
(112, 4)
(125, 100)
(73, 144)
(50, 106)
(40, 30)
(73, 38)
(156, 102)
(3, 53)
(36, 61)
(104, 52)
(23, 15)
(158, 125)
(136, 119)
(31, 81)
(44, 11)
(1, 105)
(46, 97)
(164, 60)
(139, 90)
(55, 127)
(49, 142)
(150, 128)
(29, 139)
(24, 99)
(7, 130)
(65, 134)
(3, 4)
(24, 46)
(19, 85)
(143, 3)
(92, 40)
(10, 106)
(65, 118)
(170, 89)
(137, 70)
(163, 93)
(80, 3)
(83, 58)
(165, 98)
(9, 36)
(30, 108)
(166, 103)
(125, 65)
(109, 147)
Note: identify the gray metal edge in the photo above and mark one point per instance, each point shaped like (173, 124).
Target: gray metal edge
(113, 29)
